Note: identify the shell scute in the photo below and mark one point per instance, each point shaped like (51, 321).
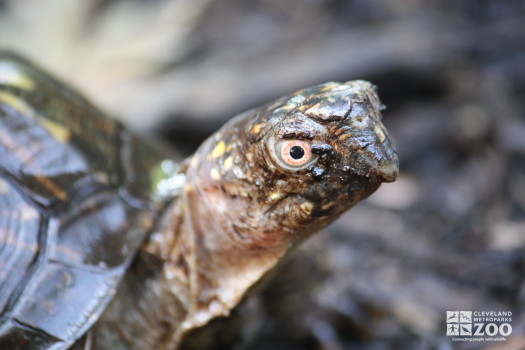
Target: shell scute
(75, 206)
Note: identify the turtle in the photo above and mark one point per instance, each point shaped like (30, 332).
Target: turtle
(109, 242)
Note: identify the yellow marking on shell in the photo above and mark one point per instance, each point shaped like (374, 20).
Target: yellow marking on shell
(218, 151)
(380, 133)
(307, 207)
(214, 173)
(52, 187)
(28, 213)
(274, 196)
(16, 103)
(228, 163)
(58, 131)
(257, 128)
(10, 75)
(4, 187)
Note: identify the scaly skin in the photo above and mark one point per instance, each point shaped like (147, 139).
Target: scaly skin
(243, 207)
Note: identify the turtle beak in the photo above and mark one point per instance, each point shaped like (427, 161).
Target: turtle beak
(374, 156)
(383, 160)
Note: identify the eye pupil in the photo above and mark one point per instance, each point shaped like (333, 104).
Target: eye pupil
(297, 152)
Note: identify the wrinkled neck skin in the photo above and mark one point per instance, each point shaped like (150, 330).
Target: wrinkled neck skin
(240, 211)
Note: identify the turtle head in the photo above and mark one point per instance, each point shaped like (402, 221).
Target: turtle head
(324, 149)
(280, 172)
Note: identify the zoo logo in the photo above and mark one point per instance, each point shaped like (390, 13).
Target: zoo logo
(478, 323)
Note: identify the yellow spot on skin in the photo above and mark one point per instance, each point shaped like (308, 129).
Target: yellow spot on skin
(307, 207)
(229, 148)
(257, 128)
(228, 163)
(327, 206)
(58, 131)
(4, 187)
(218, 150)
(194, 161)
(10, 75)
(345, 136)
(314, 110)
(275, 195)
(214, 173)
(329, 87)
(287, 107)
(380, 133)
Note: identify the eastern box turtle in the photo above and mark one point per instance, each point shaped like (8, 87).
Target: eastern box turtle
(106, 239)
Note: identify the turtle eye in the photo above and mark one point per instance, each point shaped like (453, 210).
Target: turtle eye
(295, 153)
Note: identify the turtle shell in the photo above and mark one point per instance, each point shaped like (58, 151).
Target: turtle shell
(76, 202)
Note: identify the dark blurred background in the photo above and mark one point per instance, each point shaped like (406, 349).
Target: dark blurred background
(448, 235)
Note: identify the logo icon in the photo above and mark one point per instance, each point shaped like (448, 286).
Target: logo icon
(452, 316)
(465, 317)
(484, 325)
(465, 329)
(459, 323)
(452, 329)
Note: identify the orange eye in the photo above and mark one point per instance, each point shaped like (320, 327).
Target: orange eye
(296, 153)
